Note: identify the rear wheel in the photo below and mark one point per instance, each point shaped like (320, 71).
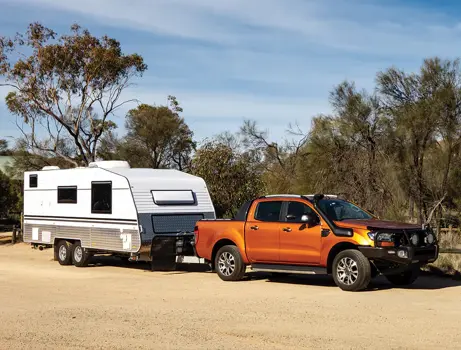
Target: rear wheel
(405, 278)
(229, 264)
(64, 252)
(351, 270)
(80, 256)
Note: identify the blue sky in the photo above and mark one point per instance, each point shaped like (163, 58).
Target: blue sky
(273, 61)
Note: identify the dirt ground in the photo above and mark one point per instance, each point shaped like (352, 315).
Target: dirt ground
(115, 306)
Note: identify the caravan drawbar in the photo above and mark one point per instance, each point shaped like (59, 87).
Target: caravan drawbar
(109, 207)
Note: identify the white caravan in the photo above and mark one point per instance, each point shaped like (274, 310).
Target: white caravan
(108, 207)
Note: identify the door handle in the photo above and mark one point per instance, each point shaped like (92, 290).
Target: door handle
(254, 227)
(287, 229)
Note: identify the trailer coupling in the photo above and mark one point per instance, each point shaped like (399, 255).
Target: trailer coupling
(41, 246)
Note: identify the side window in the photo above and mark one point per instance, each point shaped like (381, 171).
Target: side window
(67, 194)
(101, 197)
(268, 211)
(298, 209)
(33, 181)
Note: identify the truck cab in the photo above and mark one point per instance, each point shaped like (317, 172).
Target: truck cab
(315, 234)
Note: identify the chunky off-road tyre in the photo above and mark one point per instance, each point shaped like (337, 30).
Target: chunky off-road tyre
(80, 256)
(64, 252)
(351, 270)
(229, 264)
(405, 278)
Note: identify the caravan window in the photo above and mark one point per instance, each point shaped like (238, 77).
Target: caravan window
(101, 197)
(33, 181)
(67, 194)
(173, 197)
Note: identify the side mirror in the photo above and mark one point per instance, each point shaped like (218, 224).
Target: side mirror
(310, 219)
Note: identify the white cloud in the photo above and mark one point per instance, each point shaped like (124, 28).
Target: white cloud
(360, 27)
(270, 60)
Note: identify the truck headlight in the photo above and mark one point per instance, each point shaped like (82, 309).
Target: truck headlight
(386, 237)
(382, 237)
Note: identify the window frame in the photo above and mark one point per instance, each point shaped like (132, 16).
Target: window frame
(280, 219)
(93, 211)
(33, 176)
(67, 201)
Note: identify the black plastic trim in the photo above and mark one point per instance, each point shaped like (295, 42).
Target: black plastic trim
(337, 231)
(425, 254)
(290, 268)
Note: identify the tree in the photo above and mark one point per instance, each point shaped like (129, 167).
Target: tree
(9, 192)
(65, 87)
(281, 161)
(347, 149)
(424, 110)
(157, 137)
(4, 150)
(232, 177)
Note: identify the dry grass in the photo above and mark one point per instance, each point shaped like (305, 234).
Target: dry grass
(447, 264)
(450, 239)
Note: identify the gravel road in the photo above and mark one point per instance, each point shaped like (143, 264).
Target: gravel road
(114, 306)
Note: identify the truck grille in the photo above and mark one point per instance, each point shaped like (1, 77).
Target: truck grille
(415, 238)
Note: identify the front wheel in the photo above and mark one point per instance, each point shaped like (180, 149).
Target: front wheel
(229, 264)
(351, 270)
(405, 278)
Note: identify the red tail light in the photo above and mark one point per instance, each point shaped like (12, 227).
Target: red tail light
(196, 234)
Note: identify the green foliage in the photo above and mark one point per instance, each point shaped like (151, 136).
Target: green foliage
(65, 87)
(10, 196)
(4, 150)
(231, 176)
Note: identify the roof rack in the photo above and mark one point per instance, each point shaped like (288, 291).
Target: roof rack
(281, 195)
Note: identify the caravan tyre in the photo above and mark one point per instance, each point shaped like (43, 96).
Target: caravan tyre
(64, 252)
(80, 255)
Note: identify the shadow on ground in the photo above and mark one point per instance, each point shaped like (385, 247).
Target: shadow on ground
(425, 282)
(99, 261)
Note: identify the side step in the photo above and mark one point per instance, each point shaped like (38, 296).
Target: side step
(295, 269)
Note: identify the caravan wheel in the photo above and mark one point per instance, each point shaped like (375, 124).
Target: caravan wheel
(64, 252)
(80, 256)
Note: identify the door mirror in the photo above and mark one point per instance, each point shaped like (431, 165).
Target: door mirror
(310, 219)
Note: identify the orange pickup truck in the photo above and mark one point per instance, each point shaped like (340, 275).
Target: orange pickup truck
(314, 234)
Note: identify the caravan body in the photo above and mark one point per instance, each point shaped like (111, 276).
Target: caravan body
(110, 207)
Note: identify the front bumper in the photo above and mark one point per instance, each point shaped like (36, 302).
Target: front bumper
(413, 254)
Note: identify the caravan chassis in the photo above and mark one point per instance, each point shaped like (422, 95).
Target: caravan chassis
(161, 252)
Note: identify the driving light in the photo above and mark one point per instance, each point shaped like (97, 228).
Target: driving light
(430, 238)
(372, 235)
(414, 239)
(402, 254)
